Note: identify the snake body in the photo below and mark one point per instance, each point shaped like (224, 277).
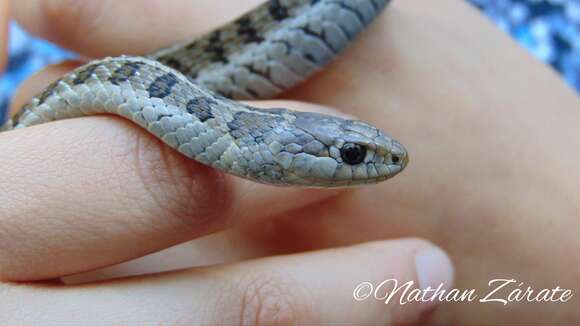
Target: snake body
(185, 95)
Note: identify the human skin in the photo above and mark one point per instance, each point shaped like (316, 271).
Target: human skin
(491, 133)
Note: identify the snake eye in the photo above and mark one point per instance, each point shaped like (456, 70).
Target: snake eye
(353, 153)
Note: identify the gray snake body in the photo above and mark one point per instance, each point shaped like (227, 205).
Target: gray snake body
(185, 94)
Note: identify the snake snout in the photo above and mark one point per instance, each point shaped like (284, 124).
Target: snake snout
(390, 158)
(399, 155)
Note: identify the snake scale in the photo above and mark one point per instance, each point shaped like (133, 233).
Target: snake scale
(186, 96)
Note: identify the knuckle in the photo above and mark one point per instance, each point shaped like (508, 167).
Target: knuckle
(266, 298)
(74, 18)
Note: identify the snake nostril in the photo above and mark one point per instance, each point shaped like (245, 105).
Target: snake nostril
(395, 158)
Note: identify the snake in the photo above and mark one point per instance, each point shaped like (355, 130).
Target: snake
(190, 96)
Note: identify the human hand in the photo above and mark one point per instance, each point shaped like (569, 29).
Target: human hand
(492, 178)
(99, 191)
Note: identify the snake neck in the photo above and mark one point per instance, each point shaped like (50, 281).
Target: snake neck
(204, 126)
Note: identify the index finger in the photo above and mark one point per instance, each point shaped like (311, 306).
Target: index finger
(80, 194)
(109, 27)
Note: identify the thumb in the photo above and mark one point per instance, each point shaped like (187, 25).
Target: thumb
(339, 286)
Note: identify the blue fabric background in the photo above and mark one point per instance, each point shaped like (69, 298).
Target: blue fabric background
(549, 29)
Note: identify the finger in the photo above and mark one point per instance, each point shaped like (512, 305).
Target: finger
(85, 193)
(109, 27)
(4, 18)
(303, 289)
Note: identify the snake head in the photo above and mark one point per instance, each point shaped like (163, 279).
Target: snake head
(366, 155)
(283, 147)
(336, 152)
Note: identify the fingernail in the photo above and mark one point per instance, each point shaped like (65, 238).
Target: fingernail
(434, 271)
